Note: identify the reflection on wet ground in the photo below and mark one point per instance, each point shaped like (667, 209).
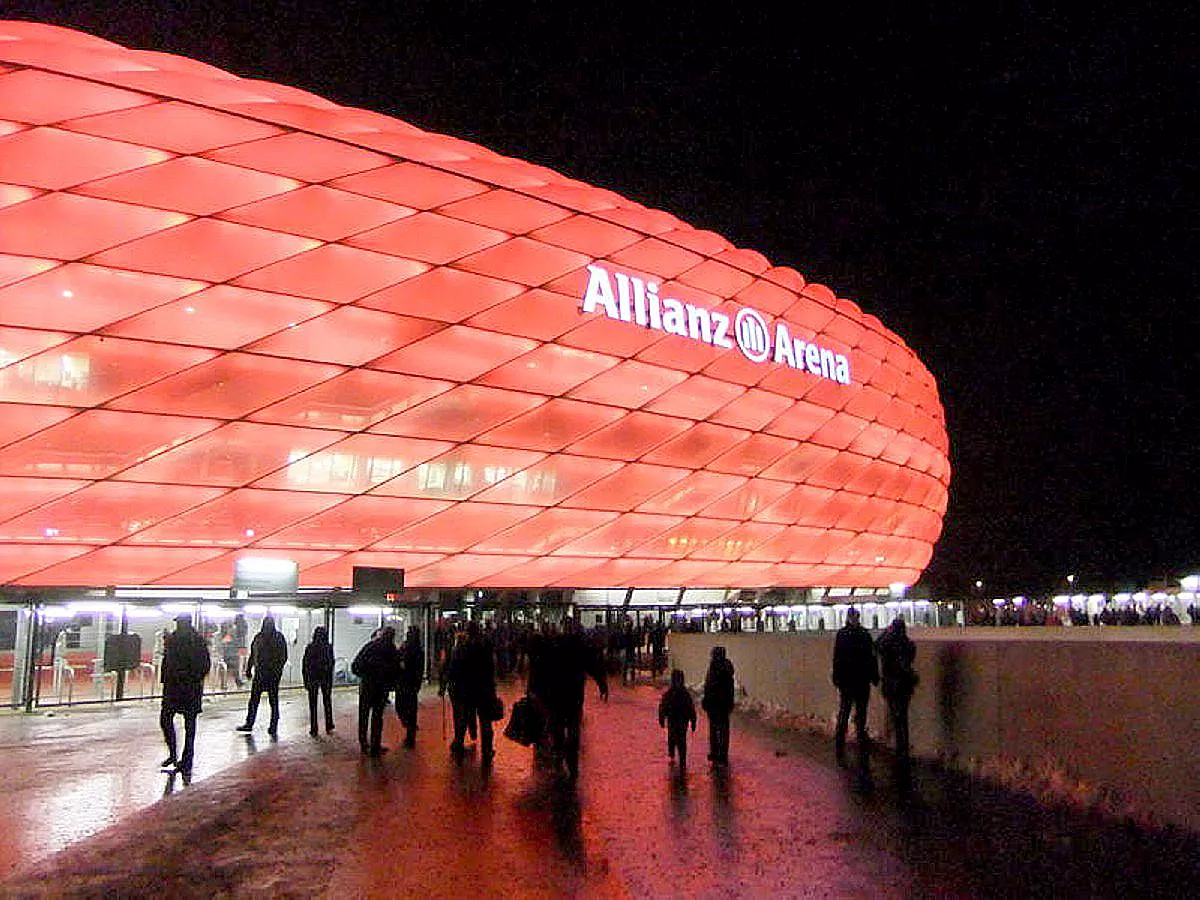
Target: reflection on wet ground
(89, 815)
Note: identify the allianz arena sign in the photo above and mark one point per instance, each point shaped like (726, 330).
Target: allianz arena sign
(238, 320)
(636, 300)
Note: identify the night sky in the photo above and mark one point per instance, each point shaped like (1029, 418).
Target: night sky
(1004, 185)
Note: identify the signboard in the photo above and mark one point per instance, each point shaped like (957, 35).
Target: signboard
(376, 581)
(266, 575)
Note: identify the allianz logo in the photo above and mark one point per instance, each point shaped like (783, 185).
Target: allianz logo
(629, 298)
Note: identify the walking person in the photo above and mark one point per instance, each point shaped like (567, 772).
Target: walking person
(855, 669)
(569, 660)
(897, 654)
(676, 711)
(264, 668)
(377, 666)
(318, 677)
(185, 664)
(470, 679)
(717, 702)
(412, 673)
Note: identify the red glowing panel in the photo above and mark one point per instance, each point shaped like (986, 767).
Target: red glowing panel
(83, 298)
(552, 426)
(54, 159)
(17, 268)
(353, 400)
(219, 569)
(749, 500)
(190, 185)
(90, 370)
(738, 541)
(631, 384)
(412, 185)
(18, 495)
(65, 226)
(546, 531)
(231, 456)
(446, 295)
(40, 98)
(685, 538)
(683, 572)
(19, 343)
(626, 488)
(802, 421)
(178, 127)
(333, 272)
(753, 455)
(24, 563)
(429, 237)
(317, 211)
(204, 249)
(692, 494)
(524, 261)
(462, 472)
(354, 464)
(355, 523)
(584, 234)
(456, 528)
(616, 571)
(549, 369)
(620, 536)
(544, 571)
(631, 436)
(339, 571)
(21, 420)
(459, 414)
(96, 444)
(550, 481)
(538, 314)
(797, 505)
(362, 335)
(615, 337)
(463, 569)
(302, 156)
(103, 513)
(697, 446)
(228, 386)
(222, 316)
(456, 352)
(504, 210)
(696, 398)
(802, 463)
(235, 519)
(126, 565)
(716, 278)
(652, 255)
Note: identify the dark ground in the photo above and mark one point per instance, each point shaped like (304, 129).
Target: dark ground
(306, 817)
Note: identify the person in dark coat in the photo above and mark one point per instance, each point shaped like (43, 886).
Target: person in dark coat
(470, 679)
(855, 669)
(897, 654)
(568, 660)
(377, 666)
(676, 711)
(318, 677)
(264, 668)
(185, 664)
(717, 702)
(412, 673)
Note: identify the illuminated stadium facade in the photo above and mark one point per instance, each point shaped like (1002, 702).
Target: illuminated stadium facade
(239, 320)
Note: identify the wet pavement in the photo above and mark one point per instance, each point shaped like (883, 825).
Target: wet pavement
(90, 815)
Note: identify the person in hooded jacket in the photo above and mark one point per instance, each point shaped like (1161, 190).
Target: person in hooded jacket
(318, 677)
(855, 669)
(412, 673)
(717, 702)
(676, 711)
(377, 666)
(470, 679)
(898, 679)
(185, 664)
(268, 654)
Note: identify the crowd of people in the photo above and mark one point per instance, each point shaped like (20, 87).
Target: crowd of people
(557, 661)
(1034, 612)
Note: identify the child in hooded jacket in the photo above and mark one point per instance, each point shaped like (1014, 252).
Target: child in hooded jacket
(675, 711)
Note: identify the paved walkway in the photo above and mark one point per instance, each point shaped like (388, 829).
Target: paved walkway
(90, 815)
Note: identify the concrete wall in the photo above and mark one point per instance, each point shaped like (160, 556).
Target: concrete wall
(1109, 712)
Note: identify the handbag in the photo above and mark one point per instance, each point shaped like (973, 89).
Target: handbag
(526, 724)
(495, 709)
